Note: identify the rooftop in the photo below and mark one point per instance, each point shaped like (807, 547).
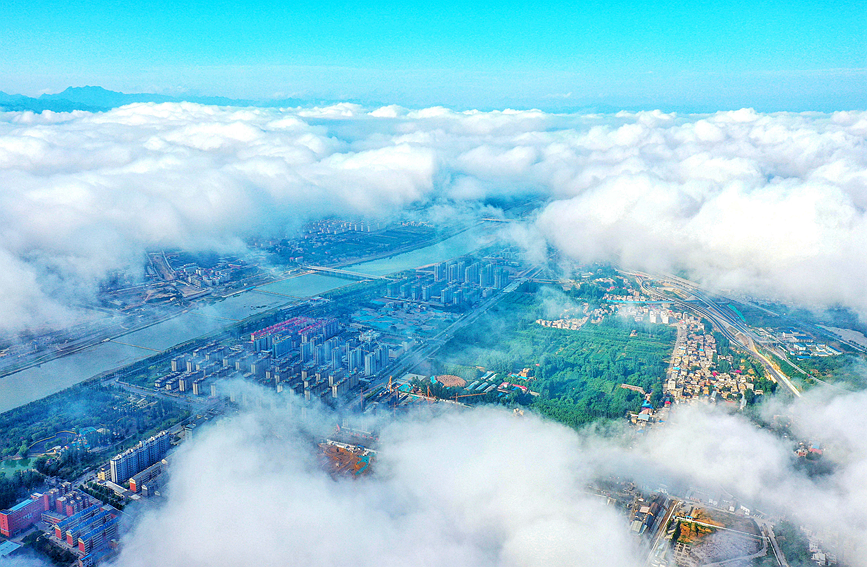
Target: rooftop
(22, 504)
(8, 547)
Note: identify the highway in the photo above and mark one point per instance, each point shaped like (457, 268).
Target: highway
(733, 329)
(768, 528)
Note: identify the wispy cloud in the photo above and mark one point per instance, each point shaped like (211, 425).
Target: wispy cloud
(762, 203)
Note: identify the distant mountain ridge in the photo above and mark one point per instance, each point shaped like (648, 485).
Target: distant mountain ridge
(98, 99)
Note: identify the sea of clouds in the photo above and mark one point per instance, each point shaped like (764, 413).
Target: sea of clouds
(759, 203)
(481, 487)
(767, 204)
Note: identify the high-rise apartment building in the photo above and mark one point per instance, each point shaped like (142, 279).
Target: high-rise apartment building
(138, 458)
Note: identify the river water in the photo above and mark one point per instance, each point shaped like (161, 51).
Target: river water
(50, 377)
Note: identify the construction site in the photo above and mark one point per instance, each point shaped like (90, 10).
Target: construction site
(347, 453)
(704, 536)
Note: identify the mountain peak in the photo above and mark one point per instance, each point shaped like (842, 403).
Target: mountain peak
(96, 99)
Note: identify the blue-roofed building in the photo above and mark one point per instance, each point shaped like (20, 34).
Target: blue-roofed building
(92, 559)
(20, 506)
(63, 526)
(9, 548)
(22, 515)
(98, 536)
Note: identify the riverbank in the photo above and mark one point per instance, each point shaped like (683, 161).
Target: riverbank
(109, 356)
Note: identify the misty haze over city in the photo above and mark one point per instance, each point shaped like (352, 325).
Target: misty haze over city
(767, 205)
(462, 284)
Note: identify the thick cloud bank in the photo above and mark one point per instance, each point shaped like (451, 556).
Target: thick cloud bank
(764, 203)
(470, 489)
(482, 487)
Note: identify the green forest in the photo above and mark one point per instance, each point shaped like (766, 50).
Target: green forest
(843, 369)
(793, 543)
(580, 380)
(577, 373)
(83, 405)
(16, 486)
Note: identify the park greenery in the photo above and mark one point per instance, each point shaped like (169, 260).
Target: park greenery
(69, 464)
(16, 486)
(103, 494)
(42, 545)
(126, 417)
(84, 405)
(577, 374)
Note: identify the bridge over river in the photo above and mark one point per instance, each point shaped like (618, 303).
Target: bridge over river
(345, 274)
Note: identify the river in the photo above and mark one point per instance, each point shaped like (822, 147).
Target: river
(45, 379)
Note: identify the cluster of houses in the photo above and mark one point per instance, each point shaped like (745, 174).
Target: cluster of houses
(694, 375)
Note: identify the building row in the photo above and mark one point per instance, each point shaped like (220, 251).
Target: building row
(90, 531)
(313, 357)
(138, 458)
(438, 292)
(51, 507)
(463, 271)
(148, 481)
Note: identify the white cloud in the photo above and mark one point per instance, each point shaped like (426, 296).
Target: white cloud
(761, 203)
(468, 488)
(87, 194)
(481, 487)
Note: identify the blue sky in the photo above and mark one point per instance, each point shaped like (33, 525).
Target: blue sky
(704, 55)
